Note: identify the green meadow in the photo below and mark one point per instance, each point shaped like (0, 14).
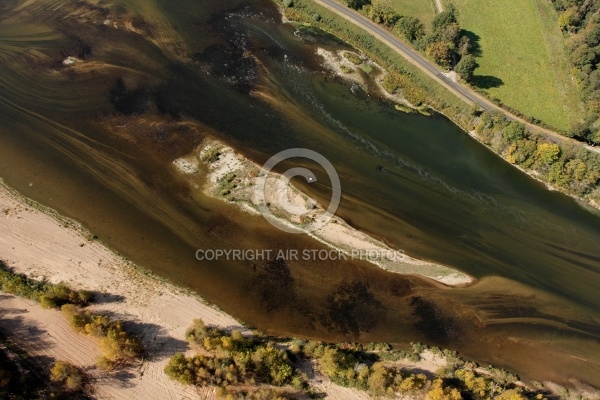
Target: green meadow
(522, 59)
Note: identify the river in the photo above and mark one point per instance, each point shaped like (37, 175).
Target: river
(235, 72)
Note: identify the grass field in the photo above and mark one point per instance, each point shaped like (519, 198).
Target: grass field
(423, 9)
(523, 61)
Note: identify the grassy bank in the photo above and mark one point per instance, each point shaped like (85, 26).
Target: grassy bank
(522, 58)
(569, 168)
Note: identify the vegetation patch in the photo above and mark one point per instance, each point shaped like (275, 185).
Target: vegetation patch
(226, 185)
(345, 69)
(580, 22)
(211, 154)
(117, 346)
(240, 367)
(353, 58)
(259, 368)
(49, 295)
(573, 170)
(71, 378)
(366, 68)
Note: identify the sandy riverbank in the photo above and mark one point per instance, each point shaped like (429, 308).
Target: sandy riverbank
(233, 178)
(40, 243)
(37, 241)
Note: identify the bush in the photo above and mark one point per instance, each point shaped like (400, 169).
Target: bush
(68, 376)
(233, 360)
(116, 344)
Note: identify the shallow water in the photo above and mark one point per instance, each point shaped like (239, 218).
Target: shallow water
(417, 182)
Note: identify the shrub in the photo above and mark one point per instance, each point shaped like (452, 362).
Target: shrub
(116, 344)
(68, 376)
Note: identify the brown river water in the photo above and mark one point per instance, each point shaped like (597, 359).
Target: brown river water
(96, 140)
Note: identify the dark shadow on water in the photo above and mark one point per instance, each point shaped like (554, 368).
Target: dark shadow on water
(432, 322)
(274, 285)
(353, 309)
(487, 81)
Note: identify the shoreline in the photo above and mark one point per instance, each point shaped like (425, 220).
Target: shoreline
(233, 178)
(335, 62)
(37, 241)
(587, 199)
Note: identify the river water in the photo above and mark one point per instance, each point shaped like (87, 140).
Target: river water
(235, 72)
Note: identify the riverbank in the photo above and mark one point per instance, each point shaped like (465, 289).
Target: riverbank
(39, 242)
(234, 178)
(36, 241)
(422, 89)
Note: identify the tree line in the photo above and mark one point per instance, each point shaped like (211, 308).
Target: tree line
(570, 168)
(243, 366)
(445, 44)
(580, 22)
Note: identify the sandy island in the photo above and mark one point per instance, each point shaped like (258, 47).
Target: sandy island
(234, 178)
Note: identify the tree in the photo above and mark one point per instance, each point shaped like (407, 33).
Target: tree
(444, 19)
(547, 153)
(196, 332)
(413, 382)
(357, 4)
(409, 27)
(180, 368)
(379, 380)
(440, 53)
(576, 168)
(568, 19)
(438, 392)
(464, 45)
(466, 67)
(383, 12)
(513, 132)
(450, 34)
